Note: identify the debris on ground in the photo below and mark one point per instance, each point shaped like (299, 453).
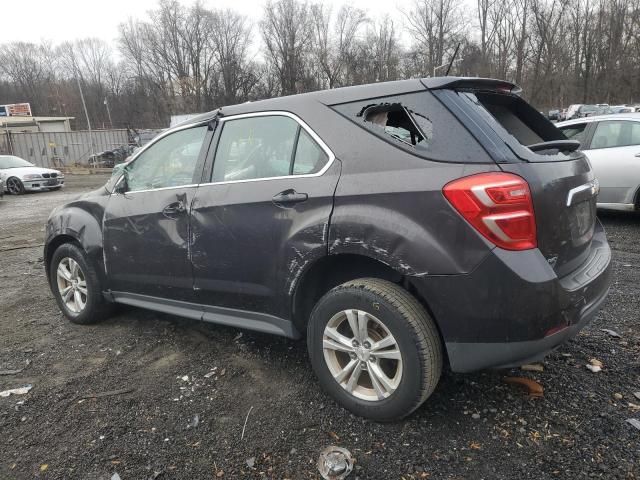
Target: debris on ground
(618, 396)
(245, 423)
(109, 393)
(637, 395)
(195, 422)
(10, 372)
(634, 422)
(335, 463)
(594, 365)
(16, 391)
(115, 476)
(613, 333)
(533, 367)
(251, 462)
(534, 388)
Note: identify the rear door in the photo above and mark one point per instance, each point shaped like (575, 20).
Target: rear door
(264, 213)
(614, 153)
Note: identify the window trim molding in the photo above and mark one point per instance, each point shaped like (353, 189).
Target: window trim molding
(276, 113)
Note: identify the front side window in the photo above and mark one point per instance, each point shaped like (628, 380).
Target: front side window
(263, 147)
(170, 162)
(616, 133)
(574, 132)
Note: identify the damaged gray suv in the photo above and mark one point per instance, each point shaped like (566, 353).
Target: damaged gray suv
(398, 227)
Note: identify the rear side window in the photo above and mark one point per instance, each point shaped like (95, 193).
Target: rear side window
(265, 147)
(574, 132)
(417, 123)
(614, 133)
(309, 158)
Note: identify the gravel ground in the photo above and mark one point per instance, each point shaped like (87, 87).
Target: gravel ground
(173, 419)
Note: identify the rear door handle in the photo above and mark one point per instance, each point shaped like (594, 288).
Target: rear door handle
(638, 155)
(289, 197)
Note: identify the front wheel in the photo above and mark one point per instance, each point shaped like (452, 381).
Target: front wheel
(76, 285)
(374, 349)
(15, 186)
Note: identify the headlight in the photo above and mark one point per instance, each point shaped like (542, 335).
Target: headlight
(32, 176)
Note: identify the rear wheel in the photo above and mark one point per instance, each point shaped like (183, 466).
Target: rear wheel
(374, 348)
(15, 186)
(76, 286)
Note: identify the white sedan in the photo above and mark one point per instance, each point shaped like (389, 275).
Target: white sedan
(612, 145)
(20, 176)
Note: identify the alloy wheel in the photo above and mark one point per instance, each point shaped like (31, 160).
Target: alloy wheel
(72, 285)
(362, 355)
(13, 185)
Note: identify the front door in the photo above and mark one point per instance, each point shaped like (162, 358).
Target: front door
(146, 222)
(264, 216)
(614, 154)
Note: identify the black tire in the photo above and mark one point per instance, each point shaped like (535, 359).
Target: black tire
(15, 186)
(415, 333)
(97, 307)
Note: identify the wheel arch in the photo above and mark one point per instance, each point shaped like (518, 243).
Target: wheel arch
(333, 270)
(79, 226)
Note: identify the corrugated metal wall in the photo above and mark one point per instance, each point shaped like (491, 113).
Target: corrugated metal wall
(57, 149)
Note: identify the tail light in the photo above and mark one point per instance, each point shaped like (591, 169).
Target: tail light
(498, 205)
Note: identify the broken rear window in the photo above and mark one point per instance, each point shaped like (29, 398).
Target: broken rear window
(418, 124)
(398, 122)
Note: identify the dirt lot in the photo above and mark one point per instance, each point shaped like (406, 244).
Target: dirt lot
(173, 422)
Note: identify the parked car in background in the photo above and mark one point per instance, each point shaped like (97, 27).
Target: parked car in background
(554, 115)
(109, 158)
(621, 109)
(572, 111)
(587, 111)
(20, 176)
(612, 144)
(395, 226)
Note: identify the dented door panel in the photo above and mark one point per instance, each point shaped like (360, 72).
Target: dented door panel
(248, 251)
(146, 243)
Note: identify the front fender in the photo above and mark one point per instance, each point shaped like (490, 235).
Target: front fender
(80, 220)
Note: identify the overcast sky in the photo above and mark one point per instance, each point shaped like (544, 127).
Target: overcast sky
(61, 20)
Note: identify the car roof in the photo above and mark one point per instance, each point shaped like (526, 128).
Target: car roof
(634, 116)
(352, 94)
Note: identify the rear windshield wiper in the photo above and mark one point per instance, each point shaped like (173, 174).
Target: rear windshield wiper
(562, 145)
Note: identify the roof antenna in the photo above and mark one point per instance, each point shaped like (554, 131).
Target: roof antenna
(455, 54)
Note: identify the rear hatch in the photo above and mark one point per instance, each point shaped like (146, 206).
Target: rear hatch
(560, 178)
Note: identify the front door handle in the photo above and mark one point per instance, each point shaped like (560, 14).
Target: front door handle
(289, 197)
(173, 209)
(638, 155)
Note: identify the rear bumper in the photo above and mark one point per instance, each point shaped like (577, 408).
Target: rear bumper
(469, 357)
(513, 309)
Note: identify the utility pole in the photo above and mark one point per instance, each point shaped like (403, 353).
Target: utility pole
(86, 113)
(106, 104)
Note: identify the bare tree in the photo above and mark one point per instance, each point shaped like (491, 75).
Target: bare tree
(287, 32)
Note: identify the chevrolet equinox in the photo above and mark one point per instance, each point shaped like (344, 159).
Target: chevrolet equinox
(397, 226)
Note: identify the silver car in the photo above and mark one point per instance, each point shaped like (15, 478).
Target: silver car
(612, 144)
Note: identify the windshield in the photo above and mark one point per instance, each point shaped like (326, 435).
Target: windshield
(9, 161)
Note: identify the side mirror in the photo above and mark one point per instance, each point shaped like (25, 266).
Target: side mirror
(122, 185)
